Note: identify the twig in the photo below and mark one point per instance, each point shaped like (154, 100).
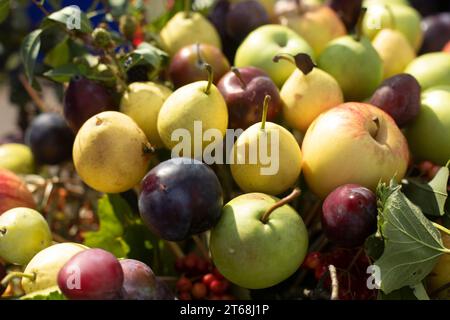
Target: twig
(40, 5)
(59, 238)
(33, 94)
(311, 214)
(201, 246)
(334, 283)
(355, 258)
(175, 248)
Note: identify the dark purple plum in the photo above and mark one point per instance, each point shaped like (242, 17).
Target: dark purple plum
(140, 283)
(180, 197)
(349, 215)
(436, 30)
(347, 10)
(399, 96)
(50, 138)
(92, 274)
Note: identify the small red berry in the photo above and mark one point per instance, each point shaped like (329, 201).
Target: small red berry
(217, 274)
(184, 296)
(184, 284)
(312, 260)
(190, 262)
(199, 291)
(219, 286)
(320, 271)
(208, 278)
(202, 266)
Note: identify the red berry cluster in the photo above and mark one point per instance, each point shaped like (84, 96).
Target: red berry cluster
(200, 280)
(351, 267)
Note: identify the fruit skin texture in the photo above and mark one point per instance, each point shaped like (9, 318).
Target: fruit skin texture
(108, 152)
(16, 157)
(188, 104)
(186, 68)
(431, 69)
(395, 51)
(142, 103)
(440, 276)
(256, 255)
(349, 215)
(83, 99)
(355, 65)
(343, 145)
(46, 265)
(26, 232)
(180, 197)
(429, 134)
(245, 105)
(399, 96)
(262, 44)
(181, 31)
(49, 138)
(99, 274)
(14, 192)
(307, 96)
(249, 176)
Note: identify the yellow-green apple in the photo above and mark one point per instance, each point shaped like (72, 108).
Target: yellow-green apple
(14, 192)
(429, 134)
(261, 45)
(16, 157)
(431, 69)
(353, 143)
(440, 275)
(254, 250)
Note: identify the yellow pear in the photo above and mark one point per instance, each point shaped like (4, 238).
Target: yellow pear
(440, 276)
(188, 28)
(395, 51)
(142, 103)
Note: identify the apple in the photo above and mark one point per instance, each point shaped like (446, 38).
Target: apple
(436, 32)
(431, 69)
(255, 250)
(244, 90)
(353, 143)
(187, 64)
(14, 192)
(261, 45)
(429, 134)
(16, 157)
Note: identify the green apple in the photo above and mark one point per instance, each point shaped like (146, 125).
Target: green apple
(255, 253)
(394, 16)
(429, 134)
(353, 143)
(355, 64)
(23, 233)
(17, 158)
(431, 69)
(262, 44)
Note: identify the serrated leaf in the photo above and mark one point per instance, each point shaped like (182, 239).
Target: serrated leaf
(412, 244)
(430, 197)
(29, 52)
(4, 9)
(71, 18)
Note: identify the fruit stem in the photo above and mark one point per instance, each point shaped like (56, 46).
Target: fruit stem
(377, 123)
(147, 148)
(13, 275)
(2, 231)
(187, 8)
(239, 76)
(302, 61)
(209, 69)
(294, 194)
(175, 248)
(200, 60)
(359, 24)
(441, 228)
(391, 16)
(334, 283)
(265, 110)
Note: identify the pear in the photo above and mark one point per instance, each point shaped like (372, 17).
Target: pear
(187, 28)
(307, 93)
(274, 175)
(395, 51)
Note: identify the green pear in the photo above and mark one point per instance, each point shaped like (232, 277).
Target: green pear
(23, 233)
(17, 158)
(307, 93)
(355, 64)
(187, 28)
(429, 134)
(431, 69)
(259, 240)
(395, 51)
(285, 158)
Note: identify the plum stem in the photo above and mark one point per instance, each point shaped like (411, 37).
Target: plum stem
(13, 275)
(187, 8)
(239, 76)
(265, 110)
(359, 24)
(294, 194)
(302, 61)
(209, 69)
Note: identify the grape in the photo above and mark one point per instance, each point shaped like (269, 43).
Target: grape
(140, 283)
(349, 215)
(180, 197)
(92, 274)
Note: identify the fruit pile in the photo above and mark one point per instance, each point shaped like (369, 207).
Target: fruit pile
(228, 149)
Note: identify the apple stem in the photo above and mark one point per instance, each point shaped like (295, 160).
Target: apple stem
(302, 61)
(148, 148)
(187, 8)
(294, 194)
(209, 69)
(265, 110)
(359, 24)
(391, 16)
(13, 275)
(377, 123)
(239, 76)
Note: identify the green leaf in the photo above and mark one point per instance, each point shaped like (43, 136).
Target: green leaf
(59, 55)
(4, 10)
(412, 244)
(63, 73)
(374, 246)
(430, 197)
(52, 293)
(29, 52)
(146, 54)
(71, 18)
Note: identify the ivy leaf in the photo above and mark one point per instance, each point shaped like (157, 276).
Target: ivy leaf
(71, 18)
(29, 52)
(430, 197)
(412, 244)
(148, 55)
(4, 10)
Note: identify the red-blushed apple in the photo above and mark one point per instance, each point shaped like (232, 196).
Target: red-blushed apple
(447, 47)
(14, 192)
(353, 143)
